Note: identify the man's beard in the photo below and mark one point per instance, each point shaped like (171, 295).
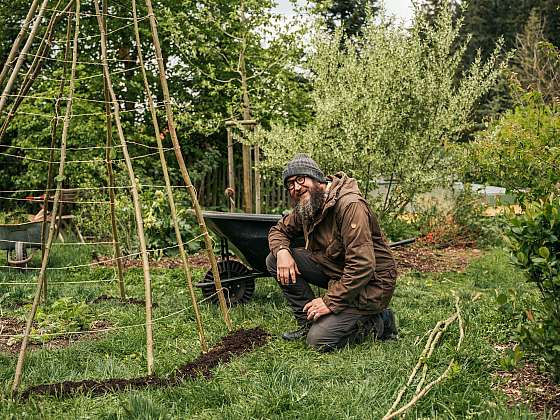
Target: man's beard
(308, 210)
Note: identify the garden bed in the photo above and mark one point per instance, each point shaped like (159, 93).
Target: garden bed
(12, 327)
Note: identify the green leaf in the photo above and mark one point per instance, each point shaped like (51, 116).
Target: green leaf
(59, 178)
(544, 252)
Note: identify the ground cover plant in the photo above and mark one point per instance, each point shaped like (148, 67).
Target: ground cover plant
(281, 379)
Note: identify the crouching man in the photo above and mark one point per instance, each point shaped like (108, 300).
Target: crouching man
(345, 253)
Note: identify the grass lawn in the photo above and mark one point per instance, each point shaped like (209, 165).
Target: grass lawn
(281, 379)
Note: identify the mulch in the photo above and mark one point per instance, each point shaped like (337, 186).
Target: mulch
(429, 259)
(421, 256)
(10, 327)
(195, 261)
(234, 344)
(528, 386)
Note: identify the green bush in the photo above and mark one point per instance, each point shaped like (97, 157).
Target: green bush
(534, 241)
(94, 221)
(519, 151)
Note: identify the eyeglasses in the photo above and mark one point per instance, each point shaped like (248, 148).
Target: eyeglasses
(300, 180)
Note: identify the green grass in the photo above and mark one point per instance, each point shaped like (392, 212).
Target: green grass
(281, 379)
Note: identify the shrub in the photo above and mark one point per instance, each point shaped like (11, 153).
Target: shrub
(534, 241)
(519, 151)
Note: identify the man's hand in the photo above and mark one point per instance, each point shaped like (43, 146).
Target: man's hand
(316, 309)
(286, 267)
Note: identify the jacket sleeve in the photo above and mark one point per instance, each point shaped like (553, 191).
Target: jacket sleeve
(359, 260)
(280, 235)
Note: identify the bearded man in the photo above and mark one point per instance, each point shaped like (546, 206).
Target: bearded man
(345, 253)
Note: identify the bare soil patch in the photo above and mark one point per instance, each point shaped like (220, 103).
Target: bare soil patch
(11, 328)
(126, 301)
(537, 390)
(429, 259)
(195, 261)
(234, 344)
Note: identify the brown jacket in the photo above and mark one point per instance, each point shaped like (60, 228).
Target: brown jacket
(348, 244)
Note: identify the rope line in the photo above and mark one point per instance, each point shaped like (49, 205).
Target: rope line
(77, 98)
(115, 146)
(90, 189)
(96, 263)
(121, 327)
(99, 160)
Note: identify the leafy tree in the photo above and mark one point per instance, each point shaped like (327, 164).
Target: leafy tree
(350, 15)
(387, 105)
(536, 64)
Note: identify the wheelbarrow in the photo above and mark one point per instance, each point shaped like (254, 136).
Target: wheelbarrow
(247, 235)
(16, 239)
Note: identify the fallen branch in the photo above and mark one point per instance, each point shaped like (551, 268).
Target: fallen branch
(434, 337)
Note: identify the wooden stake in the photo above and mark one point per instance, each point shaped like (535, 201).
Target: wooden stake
(22, 56)
(59, 180)
(178, 236)
(17, 41)
(111, 180)
(135, 197)
(231, 169)
(258, 197)
(183, 168)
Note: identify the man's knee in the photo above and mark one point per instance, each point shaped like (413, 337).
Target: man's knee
(271, 264)
(322, 340)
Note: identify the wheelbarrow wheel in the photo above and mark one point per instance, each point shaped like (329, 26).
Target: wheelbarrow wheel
(18, 256)
(235, 292)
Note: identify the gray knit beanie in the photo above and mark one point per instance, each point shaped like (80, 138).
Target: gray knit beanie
(302, 164)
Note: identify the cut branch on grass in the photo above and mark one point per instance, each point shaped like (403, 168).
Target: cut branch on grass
(434, 337)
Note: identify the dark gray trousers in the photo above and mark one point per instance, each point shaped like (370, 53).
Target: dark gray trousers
(329, 331)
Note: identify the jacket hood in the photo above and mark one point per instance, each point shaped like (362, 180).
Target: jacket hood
(341, 185)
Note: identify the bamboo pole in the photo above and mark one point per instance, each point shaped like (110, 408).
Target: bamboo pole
(36, 64)
(17, 41)
(183, 168)
(23, 54)
(135, 197)
(59, 180)
(172, 207)
(54, 129)
(111, 180)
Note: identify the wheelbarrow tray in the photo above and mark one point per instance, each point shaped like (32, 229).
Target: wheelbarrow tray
(247, 234)
(28, 233)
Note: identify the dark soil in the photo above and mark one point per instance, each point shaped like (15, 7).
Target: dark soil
(196, 261)
(10, 327)
(422, 256)
(428, 259)
(234, 344)
(537, 390)
(126, 301)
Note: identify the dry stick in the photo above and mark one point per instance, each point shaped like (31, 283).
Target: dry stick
(17, 41)
(135, 197)
(59, 180)
(111, 180)
(421, 360)
(54, 129)
(178, 236)
(36, 64)
(183, 168)
(446, 324)
(23, 54)
(419, 394)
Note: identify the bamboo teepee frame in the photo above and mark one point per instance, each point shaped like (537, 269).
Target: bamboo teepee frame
(112, 111)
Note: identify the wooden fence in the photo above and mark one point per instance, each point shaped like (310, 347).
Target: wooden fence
(211, 190)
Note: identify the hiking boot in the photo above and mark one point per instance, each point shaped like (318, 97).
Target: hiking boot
(390, 331)
(301, 332)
